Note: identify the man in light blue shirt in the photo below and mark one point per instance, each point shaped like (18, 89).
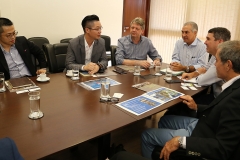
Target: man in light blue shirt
(189, 53)
(134, 48)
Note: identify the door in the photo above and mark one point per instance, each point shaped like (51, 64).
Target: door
(133, 9)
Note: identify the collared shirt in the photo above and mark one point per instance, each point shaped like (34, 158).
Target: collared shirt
(88, 51)
(230, 82)
(210, 77)
(210, 62)
(16, 65)
(128, 50)
(190, 55)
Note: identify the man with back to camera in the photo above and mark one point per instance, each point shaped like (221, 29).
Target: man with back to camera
(207, 75)
(15, 53)
(134, 48)
(87, 52)
(189, 53)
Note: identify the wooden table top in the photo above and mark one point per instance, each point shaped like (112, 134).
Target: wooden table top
(72, 114)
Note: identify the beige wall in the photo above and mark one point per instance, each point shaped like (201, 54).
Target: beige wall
(58, 19)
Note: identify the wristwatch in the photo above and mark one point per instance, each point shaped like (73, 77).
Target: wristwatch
(187, 69)
(180, 141)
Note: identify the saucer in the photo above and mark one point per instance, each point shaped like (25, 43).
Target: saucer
(69, 75)
(136, 74)
(39, 79)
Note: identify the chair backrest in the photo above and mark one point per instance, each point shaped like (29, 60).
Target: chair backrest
(113, 52)
(39, 41)
(56, 56)
(66, 40)
(107, 42)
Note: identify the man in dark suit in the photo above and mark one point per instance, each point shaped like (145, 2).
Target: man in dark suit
(87, 52)
(215, 132)
(15, 53)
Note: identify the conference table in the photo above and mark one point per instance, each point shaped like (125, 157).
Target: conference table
(72, 114)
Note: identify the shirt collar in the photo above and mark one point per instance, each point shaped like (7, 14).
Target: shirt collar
(86, 44)
(230, 82)
(130, 39)
(194, 43)
(3, 50)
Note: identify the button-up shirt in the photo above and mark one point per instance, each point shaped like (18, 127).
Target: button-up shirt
(16, 65)
(128, 50)
(88, 51)
(190, 55)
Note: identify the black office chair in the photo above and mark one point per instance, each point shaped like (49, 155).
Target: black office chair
(39, 41)
(56, 56)
(113, 52)
(66, 40)
(108, 47)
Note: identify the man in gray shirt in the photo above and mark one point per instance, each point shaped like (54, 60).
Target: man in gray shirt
(134, 48)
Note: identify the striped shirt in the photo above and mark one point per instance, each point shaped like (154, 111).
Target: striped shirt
(16, 65)
(190, 55)
(128, 50)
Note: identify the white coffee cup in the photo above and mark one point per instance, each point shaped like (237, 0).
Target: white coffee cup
(69, 73)
(43, 76)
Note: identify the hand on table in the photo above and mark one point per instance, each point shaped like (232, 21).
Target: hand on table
(95, 70)
(90, 66)
(144, 63)
(43, 70)
(188, 76)
(175, 66)
(156, 62)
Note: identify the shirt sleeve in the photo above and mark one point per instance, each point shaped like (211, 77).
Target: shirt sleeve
(202, 59)
(208, 77)
(175, 55)
(153, 53)
(119, 55)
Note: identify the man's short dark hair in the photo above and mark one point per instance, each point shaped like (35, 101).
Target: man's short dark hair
(220, 33)
(87, 22)
(4, 22)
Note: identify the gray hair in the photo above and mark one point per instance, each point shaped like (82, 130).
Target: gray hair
(138, 21)
(230, 50)
(193, 24)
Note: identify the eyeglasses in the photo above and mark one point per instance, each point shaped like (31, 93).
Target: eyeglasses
(96, 29)
(10, 35)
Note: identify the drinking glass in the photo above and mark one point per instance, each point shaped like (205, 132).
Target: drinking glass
(168, 76)
(34, 99)
(137, 70)
(75, 73)
(105, 89)
(2, 82)
(157, 70)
